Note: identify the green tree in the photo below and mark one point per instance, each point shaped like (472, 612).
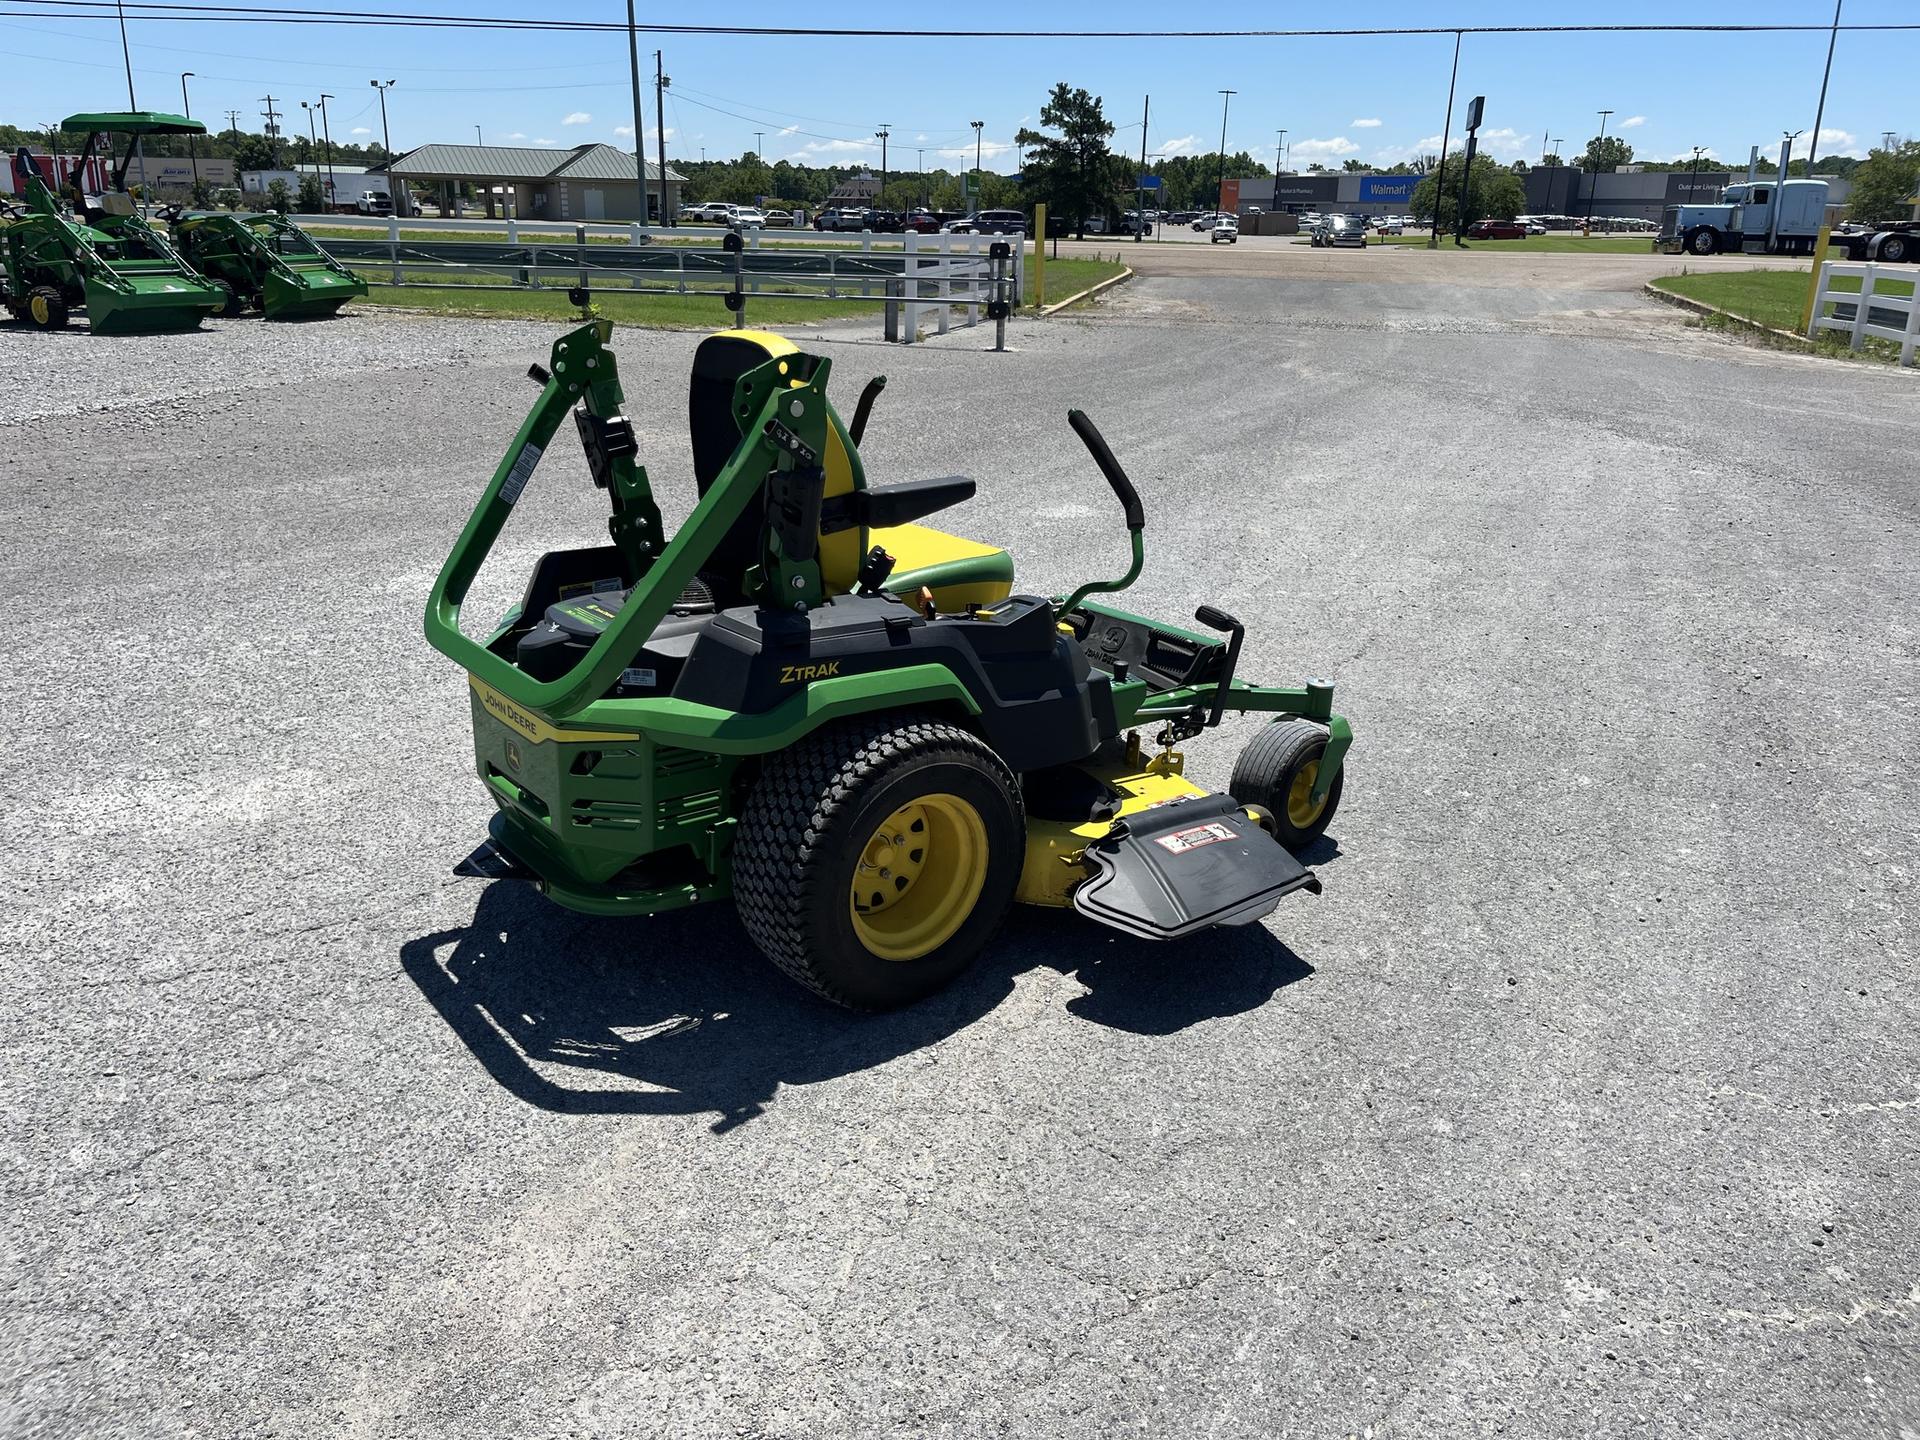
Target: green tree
(1884, 183)
(1070, 171)
(1551, 162)
(1493, 192)
(1353, 167)
(279, 198)
(1606, 154)
(254, 152)
(313, 194)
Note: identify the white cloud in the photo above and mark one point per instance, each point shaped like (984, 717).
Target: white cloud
(1632, 122)
(1363, 124)
(1331, 149)
(1707, 152)
(578, 117)
(625, 131)
(791, 129)
(1506, 144)
(989, 150)
(543, 141)
(1839, 142)
(361, 130)
(919, 138)
(1180, 145)
(838, 147)
(517, 135)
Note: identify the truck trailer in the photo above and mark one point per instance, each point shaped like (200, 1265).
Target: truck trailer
(1755, 217)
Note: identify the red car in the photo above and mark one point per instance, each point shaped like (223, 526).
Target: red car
(1496, 230)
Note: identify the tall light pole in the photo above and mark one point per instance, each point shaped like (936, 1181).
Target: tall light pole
(1785, 160)
(1440, 179)
(132, 104)
(639, 128)
(925, 189)
(1279, 148)
(1693, 182)
(1594, 185)
(1220, 196)
(978, 125)
(881, 136)
(186, 109)
(661, 80)
(313, 141)
(1833, 35)
(327, 136)
(398, 192)
(1554, 140)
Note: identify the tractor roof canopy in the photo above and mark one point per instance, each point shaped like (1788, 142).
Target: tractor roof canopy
(135, 122)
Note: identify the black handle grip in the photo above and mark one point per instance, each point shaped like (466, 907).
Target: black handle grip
(1109, 467)
(857, 431)
(1215, 618)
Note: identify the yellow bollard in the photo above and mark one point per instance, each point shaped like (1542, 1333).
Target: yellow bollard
(1813, 279)
(1039, 256)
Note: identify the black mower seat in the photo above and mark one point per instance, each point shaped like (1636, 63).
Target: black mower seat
(958, 571)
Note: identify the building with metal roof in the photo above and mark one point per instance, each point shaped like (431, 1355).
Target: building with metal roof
(587, 182)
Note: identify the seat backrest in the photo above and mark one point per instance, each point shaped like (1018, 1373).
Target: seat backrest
(115, 202)
(718, 364)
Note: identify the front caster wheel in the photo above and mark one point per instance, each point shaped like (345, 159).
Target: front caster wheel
(1277, 771)
(876, 858)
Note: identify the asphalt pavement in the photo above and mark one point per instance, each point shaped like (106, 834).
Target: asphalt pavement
(1584, 1102)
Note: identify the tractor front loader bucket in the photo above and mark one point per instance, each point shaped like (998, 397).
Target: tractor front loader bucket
(119, 303)
(298, 292)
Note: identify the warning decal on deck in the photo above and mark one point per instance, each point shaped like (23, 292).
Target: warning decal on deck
(1192, 838)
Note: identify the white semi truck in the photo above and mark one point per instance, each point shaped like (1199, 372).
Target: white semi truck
(1757, 217)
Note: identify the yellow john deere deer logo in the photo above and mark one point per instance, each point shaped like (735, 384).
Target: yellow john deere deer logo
(513, 754)
(790, 674)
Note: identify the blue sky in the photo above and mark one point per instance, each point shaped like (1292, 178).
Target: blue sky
(820, 100)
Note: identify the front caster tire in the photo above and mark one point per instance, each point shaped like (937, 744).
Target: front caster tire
(231, 304)
(46, 308)
(876, 858)
(1277, 771)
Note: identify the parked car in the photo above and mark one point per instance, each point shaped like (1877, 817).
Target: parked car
(1094, 225)
(1133, 223)
(989, 222)
(747, 217)
(1205, 220)
(1496, 230)
(1182, 217)
(854, 218)
(780, 219)
(1224, 228)
(1390, 225)
(713, 212)
(924, 222)
(1341, 230)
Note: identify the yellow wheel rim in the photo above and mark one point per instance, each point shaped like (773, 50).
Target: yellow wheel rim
(918, 877)
(41, 312)
(1302, 811)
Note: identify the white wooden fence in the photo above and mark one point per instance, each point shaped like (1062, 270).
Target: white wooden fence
(1871, 312)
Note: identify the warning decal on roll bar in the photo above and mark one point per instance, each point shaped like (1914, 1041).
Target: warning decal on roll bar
(1192, 838)
(521, 472)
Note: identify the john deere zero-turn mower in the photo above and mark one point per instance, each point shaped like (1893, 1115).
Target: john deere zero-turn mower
(105, 256)
(265, 261)
(843, 719)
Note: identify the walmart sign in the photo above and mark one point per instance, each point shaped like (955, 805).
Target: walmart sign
(1384, 189)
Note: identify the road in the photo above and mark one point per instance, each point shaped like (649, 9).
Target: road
(1586, 1101)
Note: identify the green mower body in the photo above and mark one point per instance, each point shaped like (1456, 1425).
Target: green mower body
(267, 261)
(846, 720)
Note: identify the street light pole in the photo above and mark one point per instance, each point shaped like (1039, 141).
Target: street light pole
(1833, 35)
(186, 109)
(397, 192)
(132, 104)
(1440, 178)
(313, 141)
(978, 125)
(1594, 184)
(639, 126)
(327, 136)
(1279, 147)
(881, 136)
(661, 82)
(1220, 194)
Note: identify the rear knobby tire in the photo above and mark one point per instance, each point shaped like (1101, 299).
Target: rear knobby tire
(1276, 771)
(231, 304)
(46, 308)
(810, 827)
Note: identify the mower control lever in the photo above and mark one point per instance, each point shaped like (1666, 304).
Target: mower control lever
(1217, 619)
(858, 430)
(1109, 467)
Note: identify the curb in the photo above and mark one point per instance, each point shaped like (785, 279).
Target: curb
(1088, 293)
(1701, 307)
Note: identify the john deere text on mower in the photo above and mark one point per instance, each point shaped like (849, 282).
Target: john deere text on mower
(105, 256)
(846, 720)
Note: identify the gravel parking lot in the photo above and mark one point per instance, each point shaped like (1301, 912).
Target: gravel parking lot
(1584, 1102)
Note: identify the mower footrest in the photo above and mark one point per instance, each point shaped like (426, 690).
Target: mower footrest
(492, 861)
(1178, 868)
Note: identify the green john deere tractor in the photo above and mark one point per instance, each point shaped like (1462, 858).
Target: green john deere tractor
(105, 255)
(264, 261)
(843, 719)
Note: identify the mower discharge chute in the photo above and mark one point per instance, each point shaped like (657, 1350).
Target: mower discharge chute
(266, 261)
(846, 720)
(105, 256)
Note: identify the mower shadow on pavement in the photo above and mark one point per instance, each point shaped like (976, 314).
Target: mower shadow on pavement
(679, 1014)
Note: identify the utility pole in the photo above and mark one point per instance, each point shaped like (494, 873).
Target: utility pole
(398, 193)
(186, 109)
(1440, 180)
(1219, 198)
(1833, 35)
(272, 117)
(1693, 180)
(661, 80)
(1887, 138)
(925, 189)
(1594, 185)
(881, 136)
(1140, 193)
(313, 142)
(977, 126)
(639, 131)
(327, 136)
(759, 142)
(126, 55)
(1279, 147)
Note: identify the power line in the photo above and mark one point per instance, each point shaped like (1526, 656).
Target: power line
(259, 15)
